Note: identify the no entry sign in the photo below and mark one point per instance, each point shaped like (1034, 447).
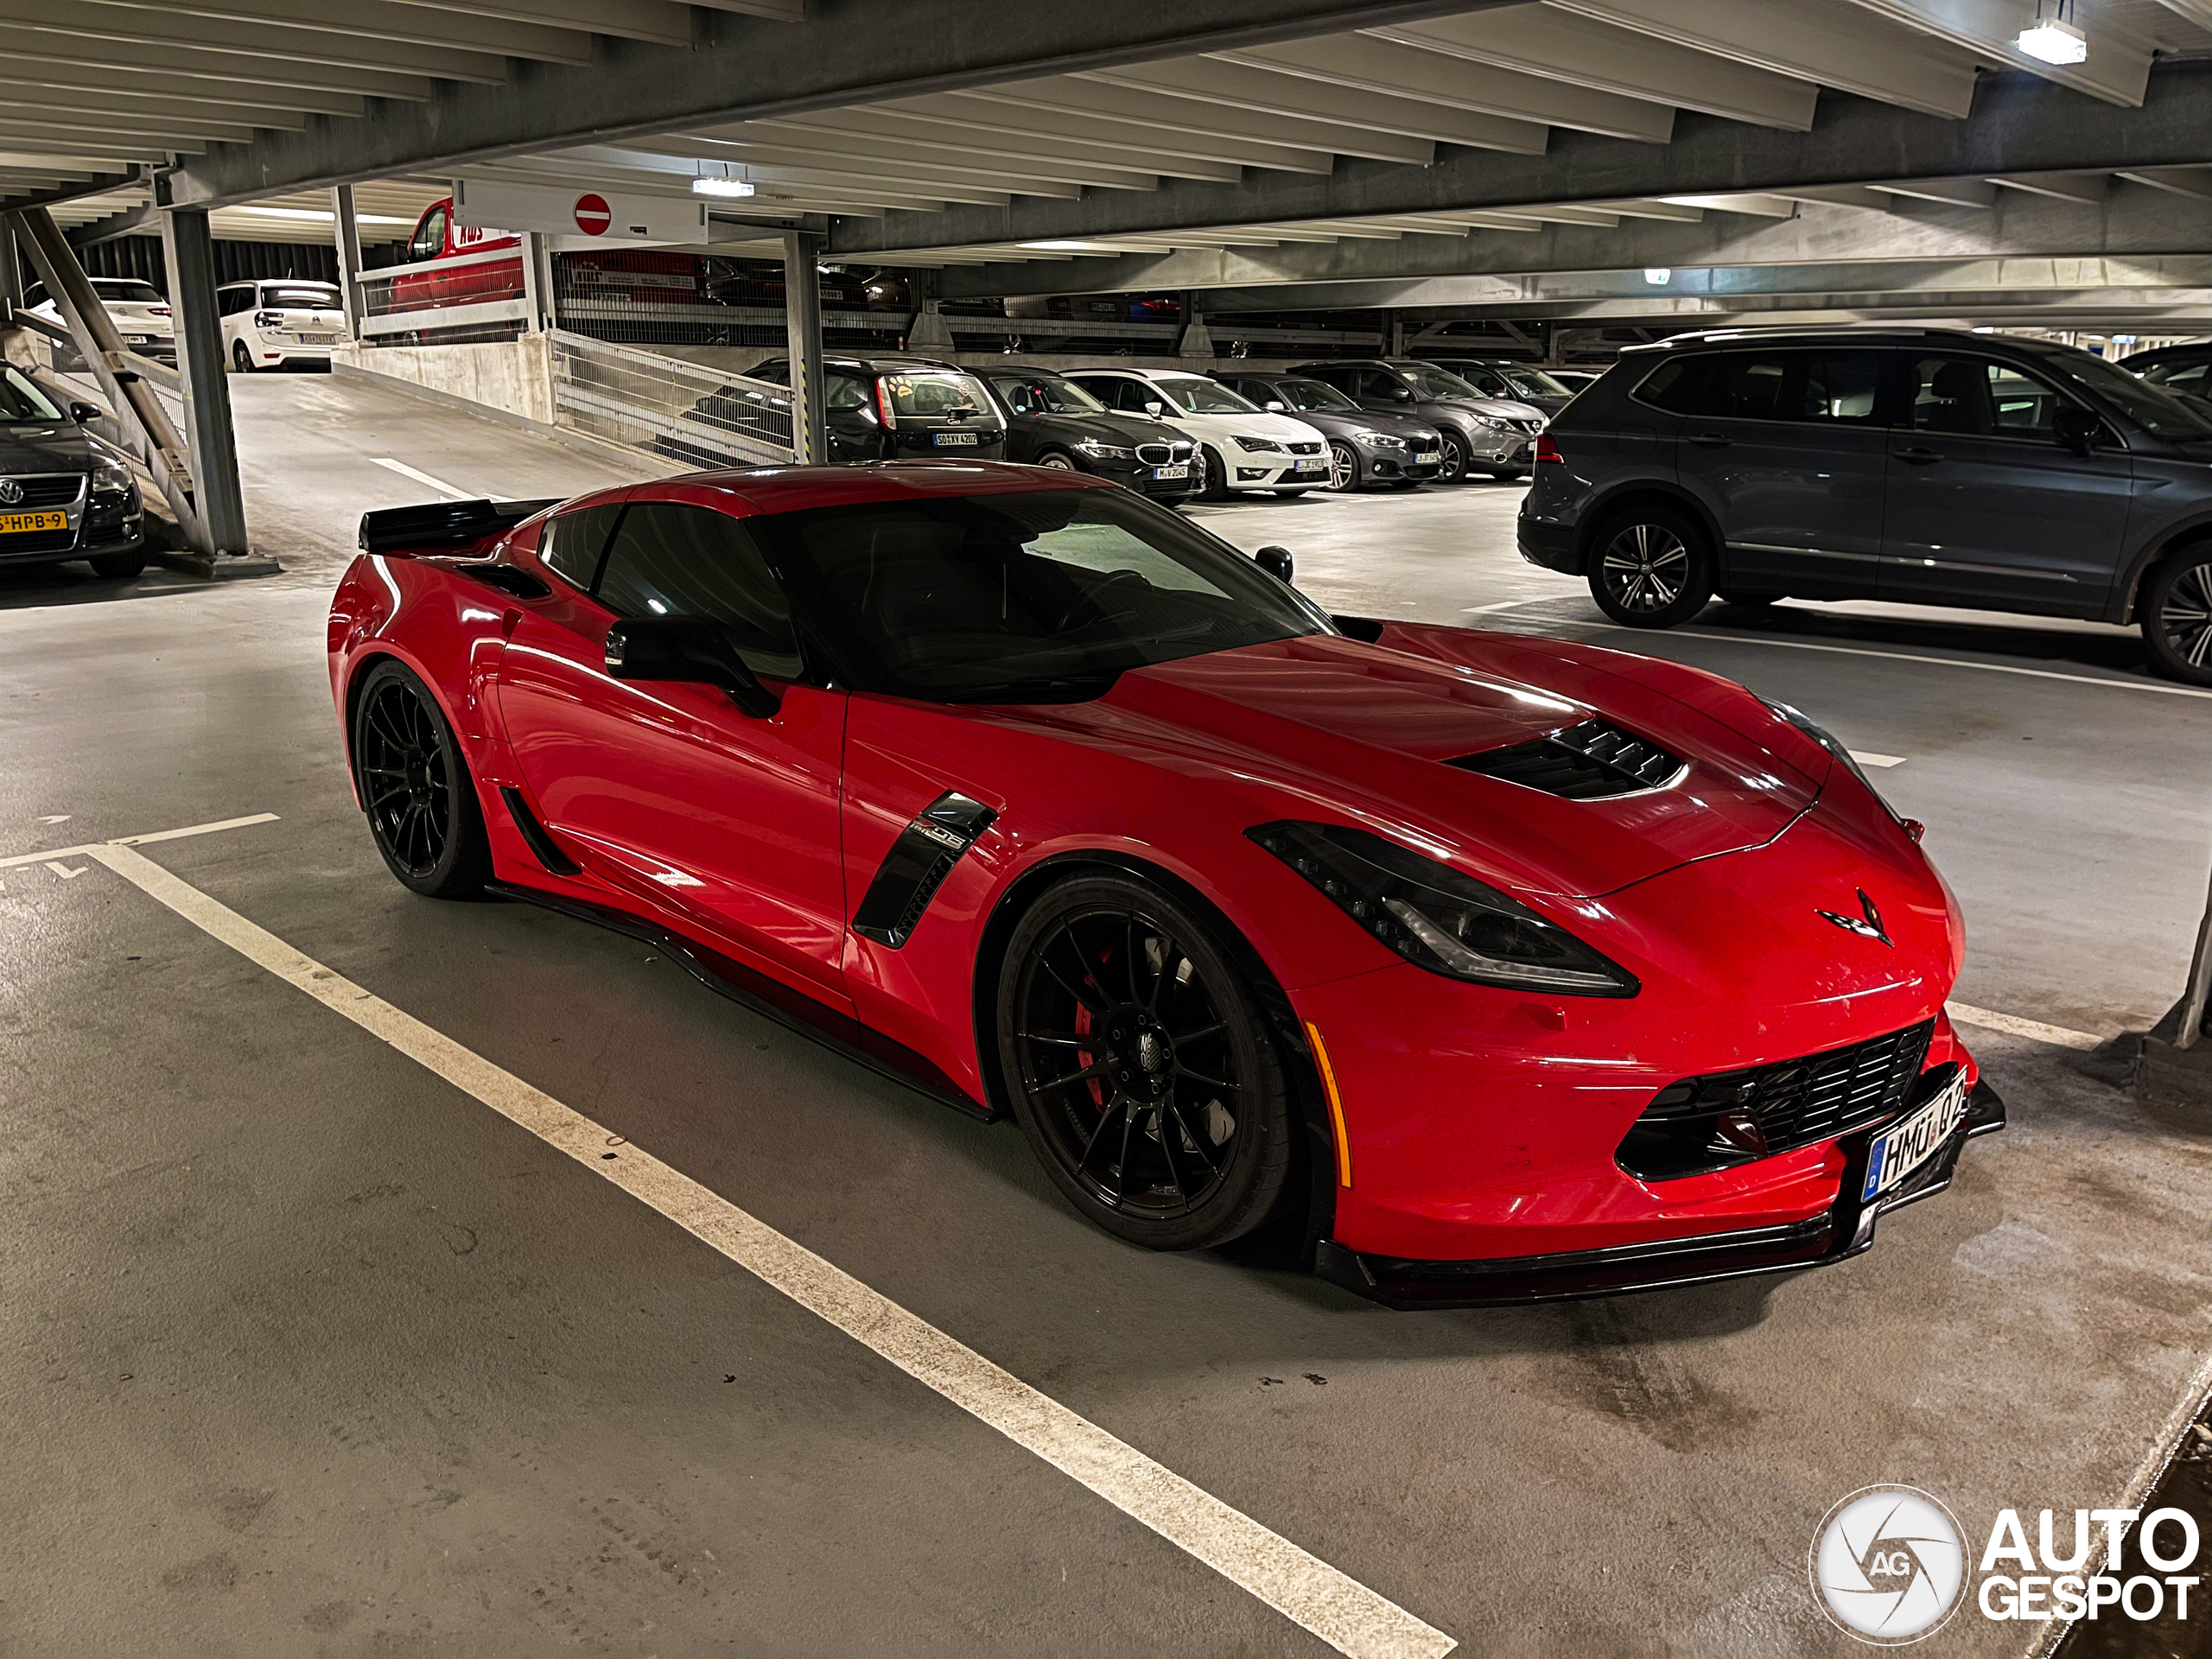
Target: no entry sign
(593, 214)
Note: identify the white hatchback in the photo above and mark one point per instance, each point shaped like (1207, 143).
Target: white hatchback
(269, 323)
(1244, 448)
(141, 315)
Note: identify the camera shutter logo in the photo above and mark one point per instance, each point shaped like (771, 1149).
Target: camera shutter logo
(1888, 1565)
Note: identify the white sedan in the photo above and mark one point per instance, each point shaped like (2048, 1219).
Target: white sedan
(141, 315)
(269, 323)
(1243, 447)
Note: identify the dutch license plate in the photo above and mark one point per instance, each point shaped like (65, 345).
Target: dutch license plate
(21, 523)
(318, 339)
(950, 440)
(1311, 464)
(1183, 471)
(1913, 1143)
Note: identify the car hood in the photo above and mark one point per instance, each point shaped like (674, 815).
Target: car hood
(54, 447)
(1506, 409)
(1234, 423)
(1120, 428)
(1330, 728)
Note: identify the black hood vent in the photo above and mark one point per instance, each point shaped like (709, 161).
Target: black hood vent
(1589, 762)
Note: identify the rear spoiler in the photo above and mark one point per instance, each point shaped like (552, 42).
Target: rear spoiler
(444, 524)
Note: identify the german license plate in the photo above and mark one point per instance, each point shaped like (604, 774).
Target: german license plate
(953, 440)
(1311, 464)
(1895, 1156)
(19, 524)
(1183, 471)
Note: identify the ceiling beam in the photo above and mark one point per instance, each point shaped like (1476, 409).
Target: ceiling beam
(2020, 124)
(740, 67)
(365, 20)
(663, 21)
(125, 87)
(866, 131)
(1231, 87)
(2117, 68)
(47, 27)
(1011, 121)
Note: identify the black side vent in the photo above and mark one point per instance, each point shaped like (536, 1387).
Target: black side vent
(542, 845)
(916, 866)
(1587, 762)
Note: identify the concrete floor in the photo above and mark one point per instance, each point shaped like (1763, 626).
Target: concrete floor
(305, 1350)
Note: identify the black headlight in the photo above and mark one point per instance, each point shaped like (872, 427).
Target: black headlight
(1829, 740)
(1440, 919)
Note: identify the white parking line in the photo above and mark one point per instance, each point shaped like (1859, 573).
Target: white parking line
(405, 471)
(1868, 758)
(14, 859)
(2012, 1025)
(1339, 1609)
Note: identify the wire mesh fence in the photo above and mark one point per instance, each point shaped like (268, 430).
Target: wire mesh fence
(695, 413)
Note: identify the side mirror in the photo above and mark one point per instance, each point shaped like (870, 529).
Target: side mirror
(1400, 395)
(686, 648)
(2076, 429)
(1275, 405)
(1155, 410)
(83, 414)
(1275, 561)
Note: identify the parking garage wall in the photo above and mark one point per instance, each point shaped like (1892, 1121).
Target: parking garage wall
(235, 262)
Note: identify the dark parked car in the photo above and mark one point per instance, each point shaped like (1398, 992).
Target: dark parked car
(1925, 466)
(64, 495)
(2177, 368)
(1365, 446)
(1576, 379)
(895, 407)
(1500, 377)
(1481, 435)
(1053, 421)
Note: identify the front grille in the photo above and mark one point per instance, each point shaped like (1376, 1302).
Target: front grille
(1590, 762)
(1716, 1122)
(40, 541)
(1183, 448)
(1303, 448)
(1421, 445)
(1155, 454)
(47, 490)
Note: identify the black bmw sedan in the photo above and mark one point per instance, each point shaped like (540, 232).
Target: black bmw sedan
(1053, 421)
(64, 495)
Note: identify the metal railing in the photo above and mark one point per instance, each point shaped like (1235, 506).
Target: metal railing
(690, 412)
(471, 297)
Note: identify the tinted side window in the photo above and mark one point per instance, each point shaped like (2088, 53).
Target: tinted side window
(571, 542)
(1376, 383)
(844, 392)
(1134, 395)
(1840, 387)
(675, 560)
(2178, 377)
(776, 371)
(1976, 397)
(430, 240)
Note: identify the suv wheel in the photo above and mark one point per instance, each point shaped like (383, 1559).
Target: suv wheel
(1652, 568)
(2176, 616)
(1453, 459)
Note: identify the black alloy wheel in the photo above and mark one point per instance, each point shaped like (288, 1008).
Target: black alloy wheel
(2176, 616)
(1344, 466)
(1653, 568)
(1454, 455)
(1140, 1068)
(416, 787)
(1216, 473)
(1058, 460)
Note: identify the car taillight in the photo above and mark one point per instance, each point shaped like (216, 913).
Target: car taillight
(883, 405)
(157, 311)
(1547, 451)
(267, 319)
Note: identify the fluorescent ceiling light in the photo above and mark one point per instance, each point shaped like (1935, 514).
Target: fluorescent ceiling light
(719, 187)
(320, 215)
(2053, 41)
(1063, 247)
(1658, 276)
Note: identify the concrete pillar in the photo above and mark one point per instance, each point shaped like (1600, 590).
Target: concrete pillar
(347, 230)
(534, 295)
(803, 334)
(928, 332)
(11, 266)
(189, 249)
(1195, 341)
(1397, 340)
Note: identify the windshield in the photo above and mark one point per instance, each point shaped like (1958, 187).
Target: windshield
(1044, 394)
(932, 394)
(2158, 411)
(128, 293)
(300, 296)
(1200, 396)
(1531, 383)
(21, 401)
(1434, 385)
(1043, 596)
(1313, 394)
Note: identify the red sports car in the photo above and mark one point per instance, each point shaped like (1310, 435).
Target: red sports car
(1505, 968)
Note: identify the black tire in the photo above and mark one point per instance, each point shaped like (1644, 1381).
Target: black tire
(1344, 467)
(1177, 1133)
(1217, 476)
(2176, 616)
(241, 359)
(1059, 460)
(1651, 568)
(1454, 456)
(417, 788)
(117, 565)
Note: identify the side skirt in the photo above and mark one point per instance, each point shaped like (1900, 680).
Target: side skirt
(793, 1010)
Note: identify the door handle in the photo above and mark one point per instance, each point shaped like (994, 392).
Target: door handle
(1917, 457)
(1711, 440)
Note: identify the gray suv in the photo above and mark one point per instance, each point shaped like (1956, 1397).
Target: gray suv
(1923, 467)
(1481, 435)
